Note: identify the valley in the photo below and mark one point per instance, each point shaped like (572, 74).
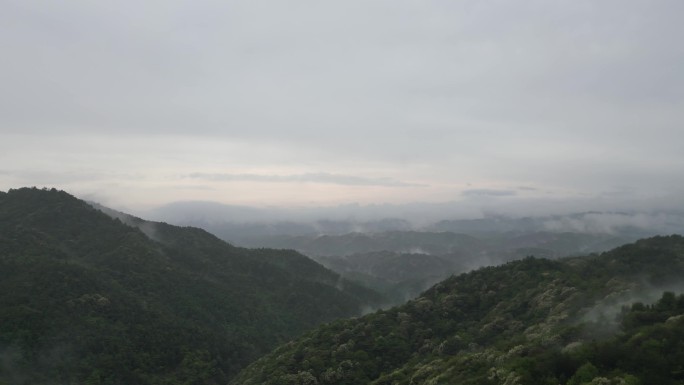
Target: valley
(94, 295)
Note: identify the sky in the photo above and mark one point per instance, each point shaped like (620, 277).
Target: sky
(317, 103)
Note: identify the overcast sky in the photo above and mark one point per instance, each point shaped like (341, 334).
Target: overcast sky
(138, 103)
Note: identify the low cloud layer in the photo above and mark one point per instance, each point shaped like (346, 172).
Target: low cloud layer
(613, 223)
(488, 193)
(345, 180)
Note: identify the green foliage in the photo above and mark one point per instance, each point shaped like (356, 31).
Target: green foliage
(86, 298)
(533, 321)
(584, 374)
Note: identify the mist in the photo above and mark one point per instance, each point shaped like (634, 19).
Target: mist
(548, 215)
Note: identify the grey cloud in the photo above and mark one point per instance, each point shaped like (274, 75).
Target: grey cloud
(48, 178)
(571, 95)
(219, 68)
(347, 180)
(488, 193)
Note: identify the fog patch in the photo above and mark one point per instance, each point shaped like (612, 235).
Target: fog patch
(606, 312)
(614, 223)
(150, 229)
(339, 285)
(418, 250)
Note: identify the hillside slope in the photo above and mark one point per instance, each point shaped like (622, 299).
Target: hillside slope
(86, 298)
(402, 264)
(533, 321)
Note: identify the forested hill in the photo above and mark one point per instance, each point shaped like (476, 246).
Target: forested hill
(583, 320)
(87, 298)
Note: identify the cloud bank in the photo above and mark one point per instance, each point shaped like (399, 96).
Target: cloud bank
(345, 180)
(322, 103)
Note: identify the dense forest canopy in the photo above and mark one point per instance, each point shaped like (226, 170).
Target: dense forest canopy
(533, 321)
(87, 298)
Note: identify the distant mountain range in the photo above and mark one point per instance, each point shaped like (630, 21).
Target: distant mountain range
(244, 225)
(91, 295)
(359, 245)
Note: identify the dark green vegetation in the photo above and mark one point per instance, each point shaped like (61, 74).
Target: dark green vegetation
(399, 276)
(402, 264)
(533, 321)
(85, 298)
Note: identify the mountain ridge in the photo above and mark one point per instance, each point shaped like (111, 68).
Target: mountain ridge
(479, 327)
(87, 298)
